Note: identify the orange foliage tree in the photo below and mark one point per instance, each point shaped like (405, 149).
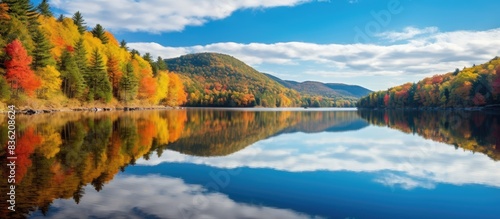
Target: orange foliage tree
(114, 73)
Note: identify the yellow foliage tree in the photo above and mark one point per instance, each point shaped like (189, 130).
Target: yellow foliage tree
(51, 82)
(176, 95)
(163, 81)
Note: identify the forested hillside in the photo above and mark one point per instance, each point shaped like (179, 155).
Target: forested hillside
(476, 86)
(49, 62)
(221, 80)
(333, 90)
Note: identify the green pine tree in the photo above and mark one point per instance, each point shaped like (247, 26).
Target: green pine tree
(79, 22)
(4, 89)
(60, 18)
(41, 53)
(128, 83)
(81, 56)
(162, 65)
(147, 57)
(99, 32)
(123, 45)
(44, 8)
(22, 10)
(73, 84)
(97, 78)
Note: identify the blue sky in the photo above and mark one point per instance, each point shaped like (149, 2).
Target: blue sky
(373, 43)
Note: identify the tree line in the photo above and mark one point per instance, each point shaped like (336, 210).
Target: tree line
(61, 60)
(475, 86)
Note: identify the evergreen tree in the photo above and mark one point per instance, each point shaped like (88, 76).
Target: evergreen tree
(162, 65)
(60, 18)
(133, 53)
(99, 32)
(44, 9)
(41, 52)
(123, 45)
(147, 57)
(23, 11)
(97, 78)
(73, 84)
(4, 89)
(79, 22)
(81, 56)
(128, 83)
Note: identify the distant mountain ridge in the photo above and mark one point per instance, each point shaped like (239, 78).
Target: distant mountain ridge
(220, 80)
(323, 89)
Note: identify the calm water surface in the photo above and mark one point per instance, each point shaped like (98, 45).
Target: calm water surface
(251, 163)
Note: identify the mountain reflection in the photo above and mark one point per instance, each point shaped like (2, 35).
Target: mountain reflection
(58, 155)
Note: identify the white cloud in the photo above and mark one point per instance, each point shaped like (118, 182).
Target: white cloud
(160, 197)
(410, 161)
(407, 33)
(160, 15)
(393, 180)
(437, 53)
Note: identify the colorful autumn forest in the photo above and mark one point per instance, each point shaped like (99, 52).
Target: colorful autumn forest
(470, 87)
(58, 62)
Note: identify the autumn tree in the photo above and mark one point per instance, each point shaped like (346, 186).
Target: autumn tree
(44, 8)
(99, 32)
(114, 73)
(97, 78)
(79, 22)
(19, 73)
(147, 87)
(162, 89)
(176, 95)
(50, 81)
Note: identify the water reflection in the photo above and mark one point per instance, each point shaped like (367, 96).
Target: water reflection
(59, 154)
(472, 131)
(71, 158)
(154, 196)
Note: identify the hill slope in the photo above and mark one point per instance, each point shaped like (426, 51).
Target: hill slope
(214, 79)
(221, 80)
(475, 86)
(323, 89)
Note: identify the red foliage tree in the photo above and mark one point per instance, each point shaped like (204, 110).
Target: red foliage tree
(19, 73)
(386, 99)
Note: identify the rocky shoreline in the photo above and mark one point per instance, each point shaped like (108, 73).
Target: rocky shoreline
(29, 111)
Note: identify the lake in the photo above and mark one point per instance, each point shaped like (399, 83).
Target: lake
(255, 163)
